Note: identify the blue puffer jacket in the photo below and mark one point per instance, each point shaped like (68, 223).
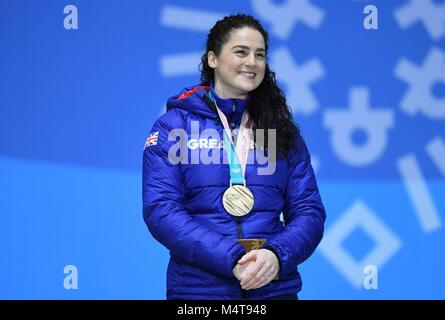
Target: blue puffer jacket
(183, 209)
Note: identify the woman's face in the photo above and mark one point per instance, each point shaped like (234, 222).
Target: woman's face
(240, 66)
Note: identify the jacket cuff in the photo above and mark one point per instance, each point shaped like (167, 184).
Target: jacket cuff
(238, 256)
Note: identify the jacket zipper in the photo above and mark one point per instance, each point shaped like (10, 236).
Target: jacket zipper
(240, 231)
(232, 124)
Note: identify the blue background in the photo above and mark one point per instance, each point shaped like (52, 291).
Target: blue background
(77, 105)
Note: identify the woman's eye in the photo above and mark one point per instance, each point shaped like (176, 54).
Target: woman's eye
(241, 52)
(260, 55)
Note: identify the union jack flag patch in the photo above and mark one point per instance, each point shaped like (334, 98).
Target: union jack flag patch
(152, 139)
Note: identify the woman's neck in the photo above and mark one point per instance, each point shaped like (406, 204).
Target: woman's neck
(223, 93)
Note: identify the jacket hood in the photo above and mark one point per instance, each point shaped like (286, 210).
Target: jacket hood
(196, 100)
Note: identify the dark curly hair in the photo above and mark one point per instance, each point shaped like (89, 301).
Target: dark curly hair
(267, 107)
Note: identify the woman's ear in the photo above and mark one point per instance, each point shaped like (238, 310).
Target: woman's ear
(211, 57)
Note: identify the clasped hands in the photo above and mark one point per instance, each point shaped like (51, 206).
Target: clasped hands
(256, 269)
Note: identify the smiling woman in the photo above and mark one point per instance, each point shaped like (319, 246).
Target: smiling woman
(221, 220)
(239, 68)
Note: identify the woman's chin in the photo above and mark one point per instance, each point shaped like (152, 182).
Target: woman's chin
(247, 87)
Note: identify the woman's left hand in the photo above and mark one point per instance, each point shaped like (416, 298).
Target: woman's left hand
(261, 269)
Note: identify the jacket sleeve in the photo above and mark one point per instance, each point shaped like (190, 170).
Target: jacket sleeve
(166, 216)
(304, 214)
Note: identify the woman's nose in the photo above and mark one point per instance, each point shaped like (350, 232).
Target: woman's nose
(250, 60)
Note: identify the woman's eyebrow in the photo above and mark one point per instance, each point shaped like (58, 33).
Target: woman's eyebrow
(239, 46)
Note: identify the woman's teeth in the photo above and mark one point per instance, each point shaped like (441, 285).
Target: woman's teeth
(247, 74)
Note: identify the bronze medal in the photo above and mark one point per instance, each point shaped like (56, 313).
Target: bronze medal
(238, 200)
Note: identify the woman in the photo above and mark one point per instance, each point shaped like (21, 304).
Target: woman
(220, 218)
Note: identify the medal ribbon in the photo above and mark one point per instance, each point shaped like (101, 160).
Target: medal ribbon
(237, 157)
